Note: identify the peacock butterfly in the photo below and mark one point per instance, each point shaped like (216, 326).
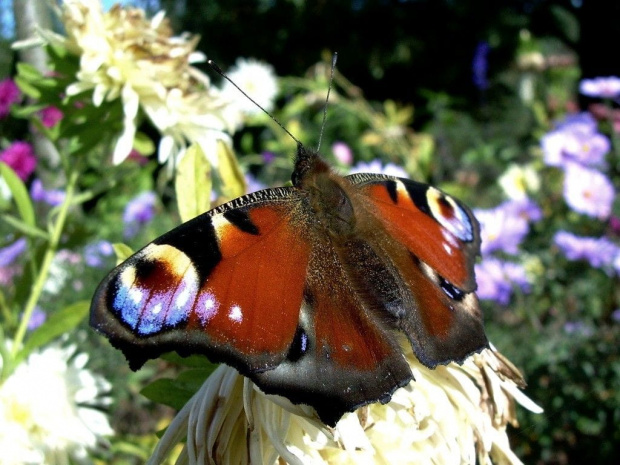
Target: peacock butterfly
(305, 288)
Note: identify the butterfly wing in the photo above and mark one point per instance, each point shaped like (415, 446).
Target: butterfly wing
(432, 244)
(344, 357)
(214, 285)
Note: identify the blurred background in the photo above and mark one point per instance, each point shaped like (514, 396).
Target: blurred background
(475, 89)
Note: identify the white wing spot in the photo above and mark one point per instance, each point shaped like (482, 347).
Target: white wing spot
(135, 295)
(209, 303)
(235, 314)
(157, 308)
(183, 297)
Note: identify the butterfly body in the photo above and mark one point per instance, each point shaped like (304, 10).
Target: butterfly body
(304, 289)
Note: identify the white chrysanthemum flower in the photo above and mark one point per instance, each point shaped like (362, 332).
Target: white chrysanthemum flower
(49, 409)
(258, 80)
(125, 55)
(518, 180)
(452, 414)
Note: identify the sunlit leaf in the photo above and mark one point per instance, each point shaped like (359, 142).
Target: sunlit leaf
(19, 192)
(122, 251)
(233, 182)
(193, 183)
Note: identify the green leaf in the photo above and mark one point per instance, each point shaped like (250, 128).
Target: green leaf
(122, 251)
(233, 181)
(19, 192)
(176, 392)
(28, 72)
(143, 144)
(194, 361)
(193, 183)
(165, 391)
(56, 325)
(25, 228)
(27, 88)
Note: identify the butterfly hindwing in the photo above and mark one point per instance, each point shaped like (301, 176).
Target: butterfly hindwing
(213, 285)
(349, 357)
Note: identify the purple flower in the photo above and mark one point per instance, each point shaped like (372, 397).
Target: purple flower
(268, 157)
(614, 224)
(480, 65)
(52, 197)
(94, 253)
(598, 252)
(603, 87)
(10, 253)
(8, 256)
(524, 208)
(615, 315)
(502, 228)
(497, 279)
(342, 152)
(583, 121)
(20, 157)
(577, 328)
(575, 140)
(376, 166)
(37, 318)
(50, 116)
(9, 94)
(139, 211)
(588, 191)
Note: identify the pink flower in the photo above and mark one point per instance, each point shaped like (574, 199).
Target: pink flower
(20, 157)
(342, 152)
(50, 116)
(9, 94)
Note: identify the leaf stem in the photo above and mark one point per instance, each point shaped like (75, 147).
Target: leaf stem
(54, 240)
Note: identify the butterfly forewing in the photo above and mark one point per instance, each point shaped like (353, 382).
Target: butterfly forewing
(431, 250)
(214, 285)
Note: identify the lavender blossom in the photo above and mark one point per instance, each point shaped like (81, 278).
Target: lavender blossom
(497, 280)
(480, 65)
(37, 318)
(588, 191)
(9, 254)
(602, 87)
(138, 212)
(501, 229)
(575, 140)
(38, 193)
(598, 252)
(95, 253)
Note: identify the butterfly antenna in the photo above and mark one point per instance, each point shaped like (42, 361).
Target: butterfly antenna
(329, 89)
(219, 71)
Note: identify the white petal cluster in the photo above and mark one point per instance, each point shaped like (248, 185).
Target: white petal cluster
(258, 80)
(49, 409)
(452, 414)
(125, 55)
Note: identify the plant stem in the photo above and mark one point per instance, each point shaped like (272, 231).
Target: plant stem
(37, 287)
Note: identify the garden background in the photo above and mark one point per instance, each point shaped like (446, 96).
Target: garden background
(498, 104)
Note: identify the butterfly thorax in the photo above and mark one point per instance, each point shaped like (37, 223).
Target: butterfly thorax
(326, 195)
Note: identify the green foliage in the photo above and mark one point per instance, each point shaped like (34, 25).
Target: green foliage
(408, 110)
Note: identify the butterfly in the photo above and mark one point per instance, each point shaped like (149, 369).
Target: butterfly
(305, 289)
